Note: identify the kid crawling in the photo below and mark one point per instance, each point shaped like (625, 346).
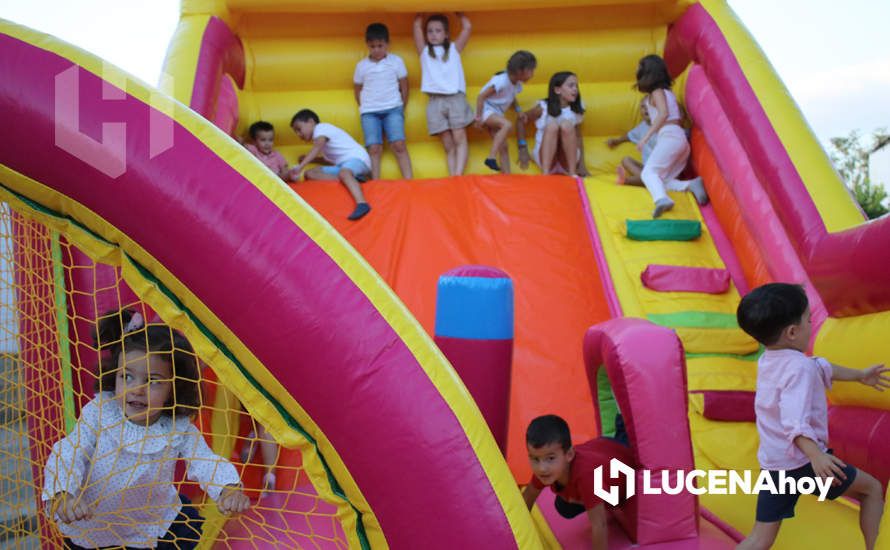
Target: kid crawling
(568, 470)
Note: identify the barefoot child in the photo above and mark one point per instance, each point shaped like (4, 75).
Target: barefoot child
(109, 483)
(349, 161)
(498, 95)
(442, 78)
(381, 90)
(630, 168)
(792, 412)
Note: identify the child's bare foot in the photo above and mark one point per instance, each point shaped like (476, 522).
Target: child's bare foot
(268, 485)
(622, 175)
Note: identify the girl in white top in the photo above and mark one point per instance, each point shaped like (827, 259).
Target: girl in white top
(559, 148)
(442, 78)
(498, 95)
(671, 151)
(109, 483)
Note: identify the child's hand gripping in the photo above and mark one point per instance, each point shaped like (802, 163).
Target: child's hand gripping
(827, 465)
(614, 142)
(477, 122)
(69, 508)
(875, 377)
(232, 500)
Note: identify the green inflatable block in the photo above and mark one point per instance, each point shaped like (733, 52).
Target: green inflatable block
(663, 230)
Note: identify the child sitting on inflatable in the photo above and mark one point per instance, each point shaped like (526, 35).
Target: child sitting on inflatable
(262, 134)
(630, 168)
(349, 161)
(569, 470)
(792, 412)
(498, 95)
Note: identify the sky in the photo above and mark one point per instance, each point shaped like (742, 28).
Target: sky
(835, 62)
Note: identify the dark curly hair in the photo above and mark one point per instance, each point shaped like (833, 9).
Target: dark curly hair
(157, 339)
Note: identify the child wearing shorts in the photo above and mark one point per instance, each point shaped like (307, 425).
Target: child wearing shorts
(381, 90)
(792, 412)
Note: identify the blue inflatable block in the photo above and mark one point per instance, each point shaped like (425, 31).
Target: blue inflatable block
(476, 308)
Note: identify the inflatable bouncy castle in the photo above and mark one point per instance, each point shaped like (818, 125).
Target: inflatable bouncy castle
(116, 194)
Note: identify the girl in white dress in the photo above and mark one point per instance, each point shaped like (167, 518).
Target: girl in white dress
(559, 148)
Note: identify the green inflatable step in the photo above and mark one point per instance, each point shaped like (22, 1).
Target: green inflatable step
(663, 230)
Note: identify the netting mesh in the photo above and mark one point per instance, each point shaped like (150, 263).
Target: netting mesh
(120, 456)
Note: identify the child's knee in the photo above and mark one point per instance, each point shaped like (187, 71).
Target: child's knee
(566, 125)
(551, 128)
(376, 149)
(398, 147)
(647, 173)
(762, 537)
(345, 174)
(867, 485)
(506, 126)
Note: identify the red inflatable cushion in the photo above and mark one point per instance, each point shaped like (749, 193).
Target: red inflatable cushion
(675, 278)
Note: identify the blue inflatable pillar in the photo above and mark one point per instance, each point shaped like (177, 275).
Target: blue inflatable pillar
(474, 329)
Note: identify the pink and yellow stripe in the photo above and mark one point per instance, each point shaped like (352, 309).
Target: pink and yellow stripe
(289, 317)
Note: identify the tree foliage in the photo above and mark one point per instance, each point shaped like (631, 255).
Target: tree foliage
(850, 158)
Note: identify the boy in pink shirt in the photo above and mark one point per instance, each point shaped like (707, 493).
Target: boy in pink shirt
(792, 412)
(262, 134)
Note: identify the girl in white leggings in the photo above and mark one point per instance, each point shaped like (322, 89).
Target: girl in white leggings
(671, 151)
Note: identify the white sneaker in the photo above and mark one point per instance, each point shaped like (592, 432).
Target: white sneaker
(697, 187)
(662, 206)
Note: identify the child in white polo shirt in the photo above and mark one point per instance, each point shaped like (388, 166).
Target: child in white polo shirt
(381, 90)
(348, 161)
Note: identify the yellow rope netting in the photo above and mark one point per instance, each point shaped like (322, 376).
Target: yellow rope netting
(122, 456)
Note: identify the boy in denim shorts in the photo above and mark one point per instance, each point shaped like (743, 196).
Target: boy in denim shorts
(381, 90)
(792, 413)
(348, 161)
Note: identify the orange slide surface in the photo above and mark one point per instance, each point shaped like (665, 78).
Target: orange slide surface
(419, 229)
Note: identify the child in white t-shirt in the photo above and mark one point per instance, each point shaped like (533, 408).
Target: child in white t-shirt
(381, 90)
(498, 95)
(442, 78)
(630, 168)
(349, 161)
